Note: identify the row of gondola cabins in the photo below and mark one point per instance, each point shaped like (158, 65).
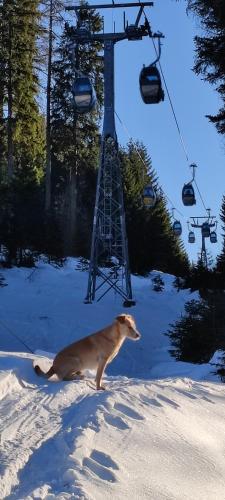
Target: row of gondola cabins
(84, 98)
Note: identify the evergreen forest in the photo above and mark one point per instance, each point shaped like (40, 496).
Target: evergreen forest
(49, 157)
(49, 153)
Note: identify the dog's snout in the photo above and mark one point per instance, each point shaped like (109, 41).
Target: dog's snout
(137, 335)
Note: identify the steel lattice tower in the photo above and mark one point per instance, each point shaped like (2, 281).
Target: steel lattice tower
(203, 255)
(109, 262)
(198, 225)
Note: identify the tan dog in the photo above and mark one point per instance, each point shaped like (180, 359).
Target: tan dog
(92, 352)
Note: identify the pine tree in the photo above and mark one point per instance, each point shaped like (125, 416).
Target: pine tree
(158, 283)
(51, 19)
(20, 29)
(2, 281)
(179, 283)
(29, 141)
(152, 244)
(200, 331)
(221, 258)
(75, 144)
(3, 129)
(23, 125)
(210, 49)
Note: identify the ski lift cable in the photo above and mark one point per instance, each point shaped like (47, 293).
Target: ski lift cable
(138, 153)
(200, 195)
(178, 127)
(179, 131)
(175, 117)
(16, 337)
(168, 93)
(173, 109)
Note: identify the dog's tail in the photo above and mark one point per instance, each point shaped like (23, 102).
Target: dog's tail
(39, 372)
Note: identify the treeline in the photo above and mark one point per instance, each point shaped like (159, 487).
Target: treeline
(49, 154)
(210, 50)
(201, 330)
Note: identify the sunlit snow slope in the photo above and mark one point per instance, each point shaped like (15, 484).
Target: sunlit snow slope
(156, 433)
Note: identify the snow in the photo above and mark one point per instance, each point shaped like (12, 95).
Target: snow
(155, 433)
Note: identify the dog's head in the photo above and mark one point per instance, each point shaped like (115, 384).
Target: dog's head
(128, 327)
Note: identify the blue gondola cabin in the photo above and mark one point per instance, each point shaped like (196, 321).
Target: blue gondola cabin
(150, 85)
(213, 237)
(191, 237)
(177, 228)
(149, 196)
(83, 94)
(188, 195)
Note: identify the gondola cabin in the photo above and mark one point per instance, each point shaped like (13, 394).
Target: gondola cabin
(149, 196)
(177, 228)
(188, 195)
(150, 85)
(83, 94)
(191, 237)
(213, 237)
(205, 230)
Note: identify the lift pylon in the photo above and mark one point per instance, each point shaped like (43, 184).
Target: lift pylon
(109, 262)
(203, 223)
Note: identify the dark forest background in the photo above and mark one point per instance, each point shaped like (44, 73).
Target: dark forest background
(49, 154)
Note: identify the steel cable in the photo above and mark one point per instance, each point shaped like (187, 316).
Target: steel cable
(175, 116)
(138, 153)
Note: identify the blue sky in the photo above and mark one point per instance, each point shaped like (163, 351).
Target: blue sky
(154, 124)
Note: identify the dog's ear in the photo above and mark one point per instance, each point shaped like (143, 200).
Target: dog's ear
(121, 318)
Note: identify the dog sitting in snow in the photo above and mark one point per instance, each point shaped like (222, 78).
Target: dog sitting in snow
(93, 352)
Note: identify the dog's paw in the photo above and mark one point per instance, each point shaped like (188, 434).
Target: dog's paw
(101, 388)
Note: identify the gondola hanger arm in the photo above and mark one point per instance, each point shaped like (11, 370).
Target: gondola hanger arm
(193, 166)
(159, 52)
(73, 59)
(158, 35)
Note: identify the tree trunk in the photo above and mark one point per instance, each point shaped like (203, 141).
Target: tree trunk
(48, 115)
(71, 194)
(10, 110)
(2, 94)
(70, 226)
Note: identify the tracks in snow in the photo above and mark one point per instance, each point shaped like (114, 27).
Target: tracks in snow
(29, 417)
(26, 423)
(60, 440)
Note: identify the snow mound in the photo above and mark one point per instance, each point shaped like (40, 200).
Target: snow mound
(155, 433)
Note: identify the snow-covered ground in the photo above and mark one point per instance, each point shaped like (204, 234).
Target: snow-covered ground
(156, 433)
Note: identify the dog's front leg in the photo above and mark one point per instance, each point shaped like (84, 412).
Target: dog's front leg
(100, 371)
